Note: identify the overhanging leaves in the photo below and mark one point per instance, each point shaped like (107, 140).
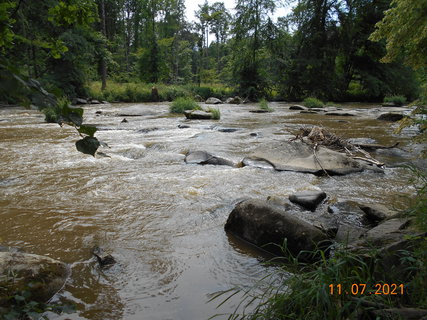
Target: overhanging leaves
(88, 145)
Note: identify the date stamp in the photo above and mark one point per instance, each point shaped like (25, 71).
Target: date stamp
(365, 289)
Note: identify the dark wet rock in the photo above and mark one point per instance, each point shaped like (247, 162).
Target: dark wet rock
(297, 107)
(18, 270)
(347, 234)
(257, 163)
(95, 102)
(124, 121)
(235, 100)
(308, 199)
(98, 112)
(183, 126)
(298, 156)
(227, 130)
(253, 134)
(147, 130)
(80, 101)
(104, 259)
(340, 114)
(269, 226)
(377, 212)
(392, 117)
(213, 100)
(309, 112)
(203, 157)
(198, 115)
(258, 111)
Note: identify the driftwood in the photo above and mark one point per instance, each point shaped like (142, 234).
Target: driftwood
(320, 136)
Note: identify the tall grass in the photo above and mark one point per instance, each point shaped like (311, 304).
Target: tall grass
(396, 100)
(216, 114)
(179, 105)
(141, 92)
(263, 104)
(313, 103)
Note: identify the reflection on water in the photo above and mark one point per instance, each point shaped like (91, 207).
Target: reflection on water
(161, 219)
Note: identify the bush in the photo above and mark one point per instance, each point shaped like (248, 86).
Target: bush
(263, 104)
(179, 105)
(216, 114)
(397, 100)
(313, 103)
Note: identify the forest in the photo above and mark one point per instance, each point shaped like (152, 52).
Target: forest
(324, 48)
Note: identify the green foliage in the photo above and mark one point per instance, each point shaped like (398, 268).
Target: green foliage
(263, 104)
(216, 114)
(313, 103)
(179, 105)
(88, 145)
(397, 100)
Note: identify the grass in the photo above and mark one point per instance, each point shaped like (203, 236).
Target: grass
(141, 92)
(396, 100)
(216, 114)
(179, 105)
(313, 103)
(263, 104)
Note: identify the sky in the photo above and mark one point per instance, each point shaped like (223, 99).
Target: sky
(193, 5)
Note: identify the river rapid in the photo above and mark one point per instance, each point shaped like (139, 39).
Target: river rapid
(163, 220)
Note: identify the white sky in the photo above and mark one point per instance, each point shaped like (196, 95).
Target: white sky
(193, 5)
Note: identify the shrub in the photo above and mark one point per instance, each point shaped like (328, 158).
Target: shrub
(313, 103)
(263, 104)
(397, 100)
(216, 114)
(179, 105)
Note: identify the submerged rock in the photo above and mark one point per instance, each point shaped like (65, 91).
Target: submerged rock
(269, 226)
(105, 259)
(42, 277)
(203, 157)
(213, 100)
(308, 199)
(392, 117)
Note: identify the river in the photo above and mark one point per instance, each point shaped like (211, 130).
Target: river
(160, 218)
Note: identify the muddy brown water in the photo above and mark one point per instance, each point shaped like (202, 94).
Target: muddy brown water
(161, 218)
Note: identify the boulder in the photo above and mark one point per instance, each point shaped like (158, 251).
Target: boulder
(377, 212)
(347, 234)
(297, 107)
(258, 111)
(300, 157)
(390, 231)
(270, 226)
(308, 199)
(203, 157)
(392, 117)
(198, 98)
(94, 101)
(235, 100)
(80, 101)
(213, 100)
(198, 115)
(42, 277)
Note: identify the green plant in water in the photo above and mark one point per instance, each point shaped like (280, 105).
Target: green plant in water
(313, 103)
(216, 114)
(397, 100)
(179, 105)
(263, 104)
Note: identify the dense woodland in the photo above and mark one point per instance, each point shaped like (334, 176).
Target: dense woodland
(323, 48)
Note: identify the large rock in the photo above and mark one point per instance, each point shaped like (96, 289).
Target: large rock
(235, 100)
(203, 157)
(308, 199)
(198, 115)
(300, 157)
(392, 117)
(297, 107)
(377, 212)
(268, 226)
(41, 276)
(212, 100)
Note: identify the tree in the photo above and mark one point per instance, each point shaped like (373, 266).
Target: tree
(404, 27)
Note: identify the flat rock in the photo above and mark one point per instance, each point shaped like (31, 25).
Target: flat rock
(198, 115)
(340, 114)
(308, 199)
(257, 163)
(298, 156)
(46, 275)
(309, 112)
(258, 111)
(387, 232)
(268, 226)
(213, 100)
